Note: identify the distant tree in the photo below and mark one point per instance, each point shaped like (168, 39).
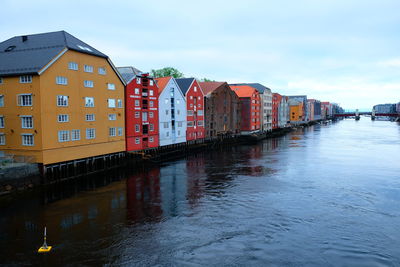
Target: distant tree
(167, 71)
(207, 80)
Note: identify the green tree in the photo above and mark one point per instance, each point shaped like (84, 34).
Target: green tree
(207, 80)
(167, 71)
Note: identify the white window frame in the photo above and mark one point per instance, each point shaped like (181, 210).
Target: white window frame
(61, 80)
(102, 71)
(119, 103)
(137, 115)
(120, 131)
(62, 101)
(151, 92)
(25, 79)
(73, 65)
(137, 91)
(151, 139)
(63, 136)
(88, 68)
(87, 105)
(62, 118)
(90, 133)
(88, 83)
(90, 117)
(110, 86)
(137, 103)
(138, 80)
(2, 122)
(151, 127)
(111, 103)
(151, 115)
(137, 141)
(24, 140)
(112, 117)
(151, 104)
(137, 128)
(20, 100)
(25, 123)
(75, 135)
(2, 139)
(112, 131)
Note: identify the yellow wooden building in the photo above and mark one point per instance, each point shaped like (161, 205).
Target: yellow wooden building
(60, 99)
(296, 111)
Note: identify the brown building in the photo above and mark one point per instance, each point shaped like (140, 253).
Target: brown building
(222, 107)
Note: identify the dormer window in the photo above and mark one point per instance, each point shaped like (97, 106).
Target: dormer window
(25, 79)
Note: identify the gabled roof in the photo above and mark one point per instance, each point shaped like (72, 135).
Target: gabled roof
(29, 54)
(184, 84)
(209, 87)
(129, 73)
(243, 90)
(258, 86)
(162, 83)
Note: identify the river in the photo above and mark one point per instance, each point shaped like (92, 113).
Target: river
(325, 195)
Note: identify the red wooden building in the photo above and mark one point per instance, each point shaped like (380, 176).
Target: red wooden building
(276, 100)
(195, 108)
(251, 107)
(141, 110)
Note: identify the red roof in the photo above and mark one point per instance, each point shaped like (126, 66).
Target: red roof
(243, 90)
(162, 82)
(209, 87)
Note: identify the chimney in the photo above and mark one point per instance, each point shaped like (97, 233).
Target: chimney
(24, 38)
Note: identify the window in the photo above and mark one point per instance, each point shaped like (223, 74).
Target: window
(90, 117)
(195, 88)
(151, 84)
(90, 133)
(190, 112)
(151, 92)
(191, 105)
(88, 68)
(137, 141)
(178, 111)
(119, 103)
(25, 79)
(165, 124)
(89, 84)
(151, 139)
(26, 122)
(63, 136)
(120, 131)
(111, 86)
(73, 66)
(137, 103)
(137, 114)
(151, 115)
(111, 103)
(27, 140)
(2, 139)
(62, 118)
(179, 132)
(89, 102)
(179, 124)
(191, 97)
(112, 117)
(166, 101)
(102, 71)
(25, 100)
(151, 104)
(151, 127)
(61, 80)
(138, 80)
(198, 97)
(137, 128)
(75, 135)
(1, 80)
(200, 123)
(112, 131)
(166, 112)
(1, 121)
(200, 112)
(190, 124)
(137, 91)
(178, 102)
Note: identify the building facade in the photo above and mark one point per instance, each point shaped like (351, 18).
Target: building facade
(194, 108)
(222, 109)
(276, 101)
(141, 110)
(61, 99)
(296, 111)
(283, 112)
(303, 112)
(250, 100)
(172, 112)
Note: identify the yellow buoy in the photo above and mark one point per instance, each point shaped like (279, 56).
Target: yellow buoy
(45, 248)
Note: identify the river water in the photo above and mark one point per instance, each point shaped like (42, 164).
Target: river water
(325, 195)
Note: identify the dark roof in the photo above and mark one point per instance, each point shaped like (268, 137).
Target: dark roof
(259, 87)
(28, 54)
(184, 84)
(128, 73)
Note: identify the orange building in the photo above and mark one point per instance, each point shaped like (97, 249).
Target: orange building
(60, 99)
(296, 111)
(250, 107)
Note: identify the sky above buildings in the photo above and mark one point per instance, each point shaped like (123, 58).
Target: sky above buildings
(336, 50)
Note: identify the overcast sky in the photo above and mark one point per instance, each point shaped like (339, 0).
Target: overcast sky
(344, 51)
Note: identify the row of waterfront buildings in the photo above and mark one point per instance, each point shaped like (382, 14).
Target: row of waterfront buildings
(63, 100)
(387, 108)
